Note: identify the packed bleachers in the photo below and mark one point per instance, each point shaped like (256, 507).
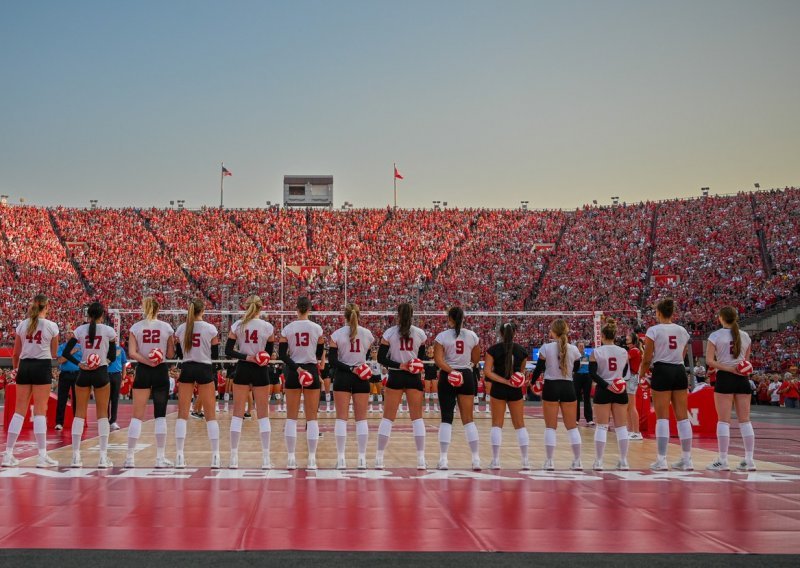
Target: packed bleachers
(777, 213)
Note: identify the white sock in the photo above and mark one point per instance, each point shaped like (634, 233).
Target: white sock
(161, 436)
(496, 438)
(384, 433)
(524, 441)
(445, 435)
(662, 437)
(748, 439)
(236, 432)
(77, 433)
(180, 434)
(575, 440)
(723, 439)
(103, 430)
(549, 442)
(290, 434)
(265, 430)
(622, 442)
(134, 431)
(212, 427)
(40, 433)
(340, 431)
(14, 428)
(418, 426)
(685, 435)
(600, 437)
(362, 435)
(312, 436)
(471, 433)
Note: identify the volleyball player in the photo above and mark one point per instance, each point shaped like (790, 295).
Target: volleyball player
(326, 372)
(726, 348)
(558, 360)
(198, 345)
(456, 351)
(607, 362)
(348, 350)
(634, 345)
(152, 378)
(502, 360)
(300, 348)
(665, 346)
(35, 346)
(431, 376)
(248, 337)
(100, 341)
(401, 344)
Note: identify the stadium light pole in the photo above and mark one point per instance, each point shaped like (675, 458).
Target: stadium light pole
(757, 185)
(704, 190)
(524, 205)
(93, 203)
(615, 199)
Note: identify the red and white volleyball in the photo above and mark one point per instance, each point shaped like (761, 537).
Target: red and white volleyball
(415, 366)
(538, 386)
(262, 358)
(744, 367)
(156, 356)
(517, 379)
(617, 386)
(306, 379)
(93, 361)
(363, 372)
(455, 378)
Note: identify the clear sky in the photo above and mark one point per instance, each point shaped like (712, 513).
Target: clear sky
(480, 103)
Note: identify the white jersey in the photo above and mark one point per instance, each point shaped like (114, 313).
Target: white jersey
(375, 367)
(670, 339)
(552, 369)
(37, 344)
(404, 349)
(611, 361)
(252, 337)
(353, 351)
(458, 350)
(103, 336)
(302, 337)
(152, 334)
(723, 342)
(202, 335)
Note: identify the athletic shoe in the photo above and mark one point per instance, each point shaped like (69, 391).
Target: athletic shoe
(379, 462)
(247, 415)
(59, 427)
(746, 465)
(198, 415)
(114, 426)
(597, 465)
(576, 465)
(526, 465)
(362, 462)
(9, 460)
(683, 464)
(291, 462)
(659, 465)
(76, 460)
(265, 463)
(180, 461)
(590, 423)
(719, 465)
(635, 436)
(548, 465)
(163, 463)
(129, 463)
(234, 463)
(312, 463)
(442, 464)
(476, 464)
(46, 461)
(422, 464)
(494, 464)
(104, 462)
(622, 465)
(215, 461)
(341, 463)
(427, 409)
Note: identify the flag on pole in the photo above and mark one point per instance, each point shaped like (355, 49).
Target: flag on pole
(226, 171)
(397, 175)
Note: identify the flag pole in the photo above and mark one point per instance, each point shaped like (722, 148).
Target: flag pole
(283, 275)
(394, 179)
(221, 181)
(345, 281)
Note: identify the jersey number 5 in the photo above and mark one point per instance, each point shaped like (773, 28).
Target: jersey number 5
(673, 342)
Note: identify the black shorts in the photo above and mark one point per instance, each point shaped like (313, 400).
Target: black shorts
(97, 378)
(605, 396)
(273, 375)
(375, 379)
(345, 381)
(469, 388)
(669, 377)
(251, 375)
(731, 383)
(501, 391)
(557, 391)
(200, 373)
(35, 372)
(292, 382)
(147, 377)
(400, 380)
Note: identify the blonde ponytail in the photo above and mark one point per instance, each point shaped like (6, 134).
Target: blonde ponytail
(351, 313)
(560, 329)
(254, 305)
(37, 306)
(196, 308)
(150, 308)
